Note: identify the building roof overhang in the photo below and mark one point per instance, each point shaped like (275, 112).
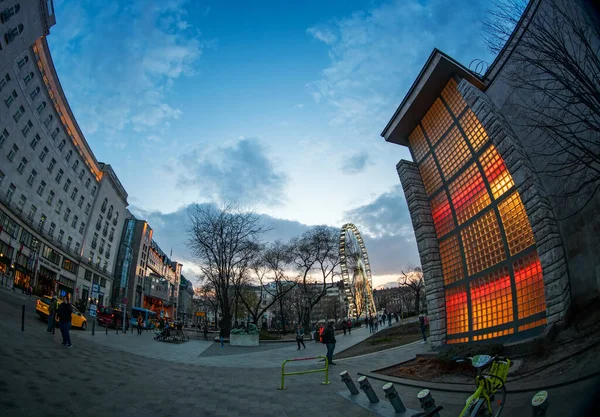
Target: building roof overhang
(427, 87)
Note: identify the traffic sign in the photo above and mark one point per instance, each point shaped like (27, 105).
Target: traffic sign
(200, 313)
(77, 290)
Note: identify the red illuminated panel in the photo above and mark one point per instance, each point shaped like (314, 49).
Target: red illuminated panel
(495, 171)
(442, 214)
(453, 98)
(418, 144)
(530, 286)
(436, 121)
(430, 175)
(457, 316)
(469, 195)
(491, 300)
(452, 266)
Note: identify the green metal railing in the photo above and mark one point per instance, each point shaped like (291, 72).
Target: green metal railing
(284, 374)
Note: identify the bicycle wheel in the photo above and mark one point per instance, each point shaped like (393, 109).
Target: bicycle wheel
(480, 409)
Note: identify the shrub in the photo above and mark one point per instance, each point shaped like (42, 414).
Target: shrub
(464, 350)
(263, 335)
(379, 340)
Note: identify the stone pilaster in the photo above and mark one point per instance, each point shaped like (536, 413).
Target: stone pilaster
(545, 229)
(422, 220)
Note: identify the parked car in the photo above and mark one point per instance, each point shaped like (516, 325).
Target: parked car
(42, 308)
(108, 316)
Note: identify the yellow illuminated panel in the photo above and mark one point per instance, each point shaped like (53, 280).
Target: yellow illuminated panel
(452, 266)
(430, 174)
(452, 153)
(453, 98)
(442, 214)
(483, 243)
(468, 194)
(530, 286)
(457, 315)
(491, 300)
(418, 143)
(495, 171)
(532, 324)
(473, 129)
(516, 224)
(493, 335)
(436, 121)
(455, 341)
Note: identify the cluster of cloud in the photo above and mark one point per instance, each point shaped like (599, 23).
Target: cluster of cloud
(355, 163)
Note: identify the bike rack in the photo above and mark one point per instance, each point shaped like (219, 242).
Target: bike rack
(326, 370)
(539, 404)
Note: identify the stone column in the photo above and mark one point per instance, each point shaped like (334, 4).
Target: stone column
(429, 252)
(545, 229)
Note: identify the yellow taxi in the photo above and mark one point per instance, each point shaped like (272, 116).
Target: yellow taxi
(42, 308)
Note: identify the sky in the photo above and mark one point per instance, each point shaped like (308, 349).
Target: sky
(276, 105)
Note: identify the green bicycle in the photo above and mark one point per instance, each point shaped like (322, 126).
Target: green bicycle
(490, 395)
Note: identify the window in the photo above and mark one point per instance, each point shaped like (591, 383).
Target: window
(77, 247)
(52, 255)
(59, 205)
(55, 133)
(27, 128)
(87, 208)
(101, 249)
(40, 108)
(21, 203)
(91, 258)
(110, 212)
(13, 151)
(41, 188)
(61, 236)
(52, 165)
(103, 282)
(81, 228)
(107, 251)
(67, 185)
(74, 222)
(11, 191)
(116, 219)
(3, 81)
(81, 174)
(94, 190)
(32, 177)
(3, 136)
(28, 78)
(95, 240)
(22, 165)
(43, 154)
(10, 98)
(104, 203)
(61, 146)
(105, 230)
(9, 12)
(51, 229)
(87, 182)
(23, 61)
(48, 120)
(75, 165)
(74, 194)
(34, 142)
(69, 242)
(50, 198)
(111, 236)
(18, 114)
(99, 223)
(59, 175)
(69, 155)
(32, 211)
(81, 200)
(67, 214)
(42, 222)
(34, 93)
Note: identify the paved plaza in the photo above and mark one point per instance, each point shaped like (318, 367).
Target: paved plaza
(131, 375)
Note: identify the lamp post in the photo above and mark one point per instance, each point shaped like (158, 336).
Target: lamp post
(128, 257)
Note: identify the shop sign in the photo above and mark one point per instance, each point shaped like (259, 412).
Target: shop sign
(200, 313)
(49, 265)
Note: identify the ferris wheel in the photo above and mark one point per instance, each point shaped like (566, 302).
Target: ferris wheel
(356, 272)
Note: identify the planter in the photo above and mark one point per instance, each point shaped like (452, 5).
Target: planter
(243, 339)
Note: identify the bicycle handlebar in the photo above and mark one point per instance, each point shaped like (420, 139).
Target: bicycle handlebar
(429, 413)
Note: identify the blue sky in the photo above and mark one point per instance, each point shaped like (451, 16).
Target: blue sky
(275, 104)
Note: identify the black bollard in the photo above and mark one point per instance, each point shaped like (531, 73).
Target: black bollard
(23, 318)
(93, 327)
(106, 329)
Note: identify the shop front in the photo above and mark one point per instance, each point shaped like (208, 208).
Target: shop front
(23, 277)
(161, 307)
(6, 252)
(46, 281)
(65, 287)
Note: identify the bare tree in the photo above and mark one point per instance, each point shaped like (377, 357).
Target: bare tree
(316, 258)
(224, 243)
(556, 66)
(412, 282)
(205, 299)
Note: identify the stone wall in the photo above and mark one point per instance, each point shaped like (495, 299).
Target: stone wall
(538, 208)
(429, 253)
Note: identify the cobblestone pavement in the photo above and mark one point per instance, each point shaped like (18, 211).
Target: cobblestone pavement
(131, 375)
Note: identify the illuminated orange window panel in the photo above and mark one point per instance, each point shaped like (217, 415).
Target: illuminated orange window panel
(473, 129)
(452, 152)
(418, 144)
(452, 266)
(455, 341)
(493, 334)
(516, 224)
(457, 315)
(491, 300)
(430, 174)
(495, 171)
(469, 195)
(453, 98)
(482, 242)
(532, 325)
(442, 214)
(530, 286)
(436, 121)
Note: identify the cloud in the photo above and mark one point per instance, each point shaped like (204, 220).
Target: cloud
(356, 163)
(118, 62)
(241, 172)
(376, 54)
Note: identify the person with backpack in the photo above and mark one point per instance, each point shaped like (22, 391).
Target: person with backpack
(300, 336)
(329, 341)
(423, 323)
(51, 314)
(344, 326)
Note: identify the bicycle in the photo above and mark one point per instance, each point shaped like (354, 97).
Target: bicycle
(490, 381)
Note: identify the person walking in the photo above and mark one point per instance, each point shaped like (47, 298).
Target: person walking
(423, 323)
(222, 334)
(205, 331)
(349, 327)
(376, 319)
(329, 341)
(383, 318)
(371, 325)
(389, 319)
(140, 323)
(344, 327)
(64, 312)
(51, 314)
(300, 336)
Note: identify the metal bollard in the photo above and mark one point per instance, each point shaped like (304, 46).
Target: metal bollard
(106, 329)
(368, 389)
(427, 401)
(23, 318)
(93, 327)
(349, 383)
(392, 395)
(539, 404)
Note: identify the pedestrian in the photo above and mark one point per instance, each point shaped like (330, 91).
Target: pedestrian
(222, 334)
(344, 327)
(376, 324)
(140, 323)
(51, 314)
(349, 327)
(321, 331)
(64, 312)
(371, 325)
(205, 331)
(300, 336)
(383, 318)
(389, 319)
(396, 316)
(329, 341)
(423, 323)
